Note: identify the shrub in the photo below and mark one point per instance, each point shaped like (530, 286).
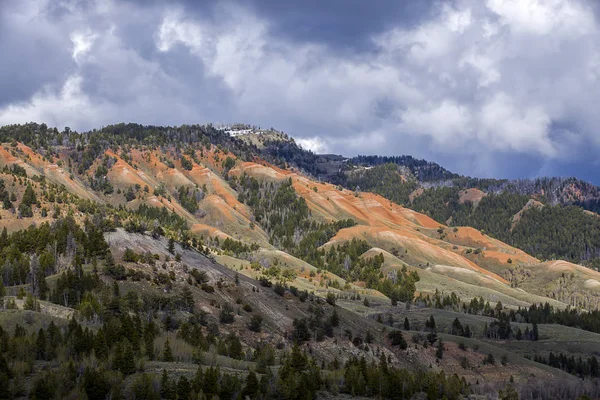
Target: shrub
(279, 289)
(208, 288)
(255, 323)
(265, 282)
(489, 359)
(226, 315)
(397, 339)
(331, 298)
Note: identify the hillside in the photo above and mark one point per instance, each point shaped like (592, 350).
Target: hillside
(218, 258)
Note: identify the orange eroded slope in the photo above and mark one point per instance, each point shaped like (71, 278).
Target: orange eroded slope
(229, 220)
(381, 222)
(418, 248)
(329, 203)
(208, 231)
(36, 164)
(33, 158)
(215, 184)
(471, 237)
(121, 174)
(6, 158)
(58, 175)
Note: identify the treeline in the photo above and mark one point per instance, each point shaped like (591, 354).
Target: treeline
(423, 170)
(386, 180)
(547, 314)
(583, 368)
(534, 314)
(85, 147)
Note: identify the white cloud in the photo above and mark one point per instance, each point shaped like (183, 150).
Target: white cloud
(544, 17)
(515, 129)
(82, 44)
(63, 107)
(314, 144)
(448, 123)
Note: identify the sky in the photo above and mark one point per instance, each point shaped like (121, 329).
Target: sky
(495, 88)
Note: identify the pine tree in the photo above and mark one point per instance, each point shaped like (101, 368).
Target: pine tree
(41, 345)
(127, 365)
(430, 323)
(149, 345)
(100, 346)
(535, 334)
(167, 391)
(167, 352)
(171, 247)
(335, 318)
(594, 368)
(183, 388)
(198, 380)
(187, 298)
(210, 386)
(439, 352)
(95, 385)
(406, 324)
(255, 324)
(251, 386)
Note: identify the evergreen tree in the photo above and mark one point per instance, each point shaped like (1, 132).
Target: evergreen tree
(535, 334)
(41, 345)
(255, 323)
(439, 352)
(167, 352)
(251, 387)
(127, 362)
(167, 390)
(335, 319)
(44, 387)
(187, 298)
(406, 324)
(95, 384)
(183, 388)
(210, 386)
(149, 345)
(100, 345)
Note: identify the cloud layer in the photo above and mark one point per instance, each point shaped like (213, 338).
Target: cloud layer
(496, 87)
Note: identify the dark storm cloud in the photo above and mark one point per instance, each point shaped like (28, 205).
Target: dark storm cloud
(498, 88)
(31, 58)
(342, 24)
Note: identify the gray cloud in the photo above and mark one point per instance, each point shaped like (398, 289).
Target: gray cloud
(487, 88)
